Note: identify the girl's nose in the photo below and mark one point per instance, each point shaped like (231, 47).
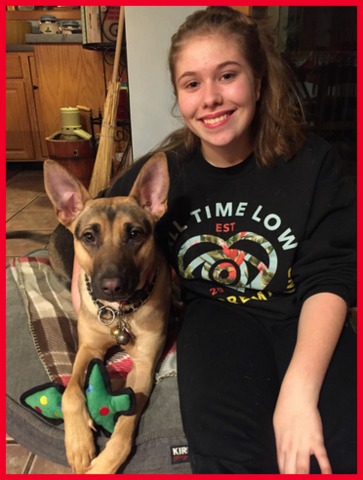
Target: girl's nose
(212, 95)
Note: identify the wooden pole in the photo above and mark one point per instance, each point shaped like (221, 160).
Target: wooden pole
(102, 169)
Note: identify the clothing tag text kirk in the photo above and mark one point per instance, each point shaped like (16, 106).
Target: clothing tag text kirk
(179, 454)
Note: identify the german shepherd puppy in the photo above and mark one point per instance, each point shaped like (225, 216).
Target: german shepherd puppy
(124, 286)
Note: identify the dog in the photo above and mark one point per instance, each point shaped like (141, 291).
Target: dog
(125, 290)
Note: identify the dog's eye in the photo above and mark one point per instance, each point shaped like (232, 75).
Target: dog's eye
(88, 237)
(136, 234)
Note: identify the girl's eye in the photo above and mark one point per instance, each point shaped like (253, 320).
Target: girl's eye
(192, 85)
(228, 76)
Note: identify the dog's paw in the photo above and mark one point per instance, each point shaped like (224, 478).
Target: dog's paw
(106, 462)
(95, 468)
(80, 450)
(80, 461)
(110, 458)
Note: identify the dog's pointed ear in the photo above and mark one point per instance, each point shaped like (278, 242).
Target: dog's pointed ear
(151, 186)
(65, 191)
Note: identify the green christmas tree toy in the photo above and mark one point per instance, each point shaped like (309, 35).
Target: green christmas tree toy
(104, 406)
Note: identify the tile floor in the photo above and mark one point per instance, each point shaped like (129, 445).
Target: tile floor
(28, 213)
(27, 209)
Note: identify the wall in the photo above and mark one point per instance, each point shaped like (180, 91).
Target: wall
(148, 33)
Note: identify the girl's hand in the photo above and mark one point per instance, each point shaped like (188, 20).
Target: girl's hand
(297, 423)
(299, 434)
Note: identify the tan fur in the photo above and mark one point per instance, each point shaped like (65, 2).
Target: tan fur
(145, 205)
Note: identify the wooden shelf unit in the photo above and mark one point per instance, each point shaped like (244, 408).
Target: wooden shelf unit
(28, 15)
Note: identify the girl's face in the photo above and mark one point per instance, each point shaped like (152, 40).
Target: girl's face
(217, 95)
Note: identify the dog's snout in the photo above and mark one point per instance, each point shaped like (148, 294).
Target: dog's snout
(114, 278)
(111, 286)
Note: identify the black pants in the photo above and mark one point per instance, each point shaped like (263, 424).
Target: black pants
(230, 368)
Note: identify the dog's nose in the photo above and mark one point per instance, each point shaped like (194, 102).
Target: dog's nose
(111, 286)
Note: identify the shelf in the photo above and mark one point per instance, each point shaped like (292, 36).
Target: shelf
(100, 47)
(66, 14)
(56, 38)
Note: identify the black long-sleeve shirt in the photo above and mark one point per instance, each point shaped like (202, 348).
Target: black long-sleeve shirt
(262, 238)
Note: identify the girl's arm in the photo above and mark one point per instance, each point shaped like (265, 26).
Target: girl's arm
(297, 422)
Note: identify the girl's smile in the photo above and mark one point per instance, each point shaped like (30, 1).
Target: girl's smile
(215, 120)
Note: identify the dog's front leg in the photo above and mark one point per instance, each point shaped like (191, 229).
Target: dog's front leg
(119, 446)
(79, 441)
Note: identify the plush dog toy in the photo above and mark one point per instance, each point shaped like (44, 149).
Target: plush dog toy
(103, 405)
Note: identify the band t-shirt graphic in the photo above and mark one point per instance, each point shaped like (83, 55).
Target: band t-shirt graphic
(228, 262)
(260, 238)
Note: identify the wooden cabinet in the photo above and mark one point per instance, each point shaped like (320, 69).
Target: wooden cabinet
(39, 83)
(68, 75)
(22, 129)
